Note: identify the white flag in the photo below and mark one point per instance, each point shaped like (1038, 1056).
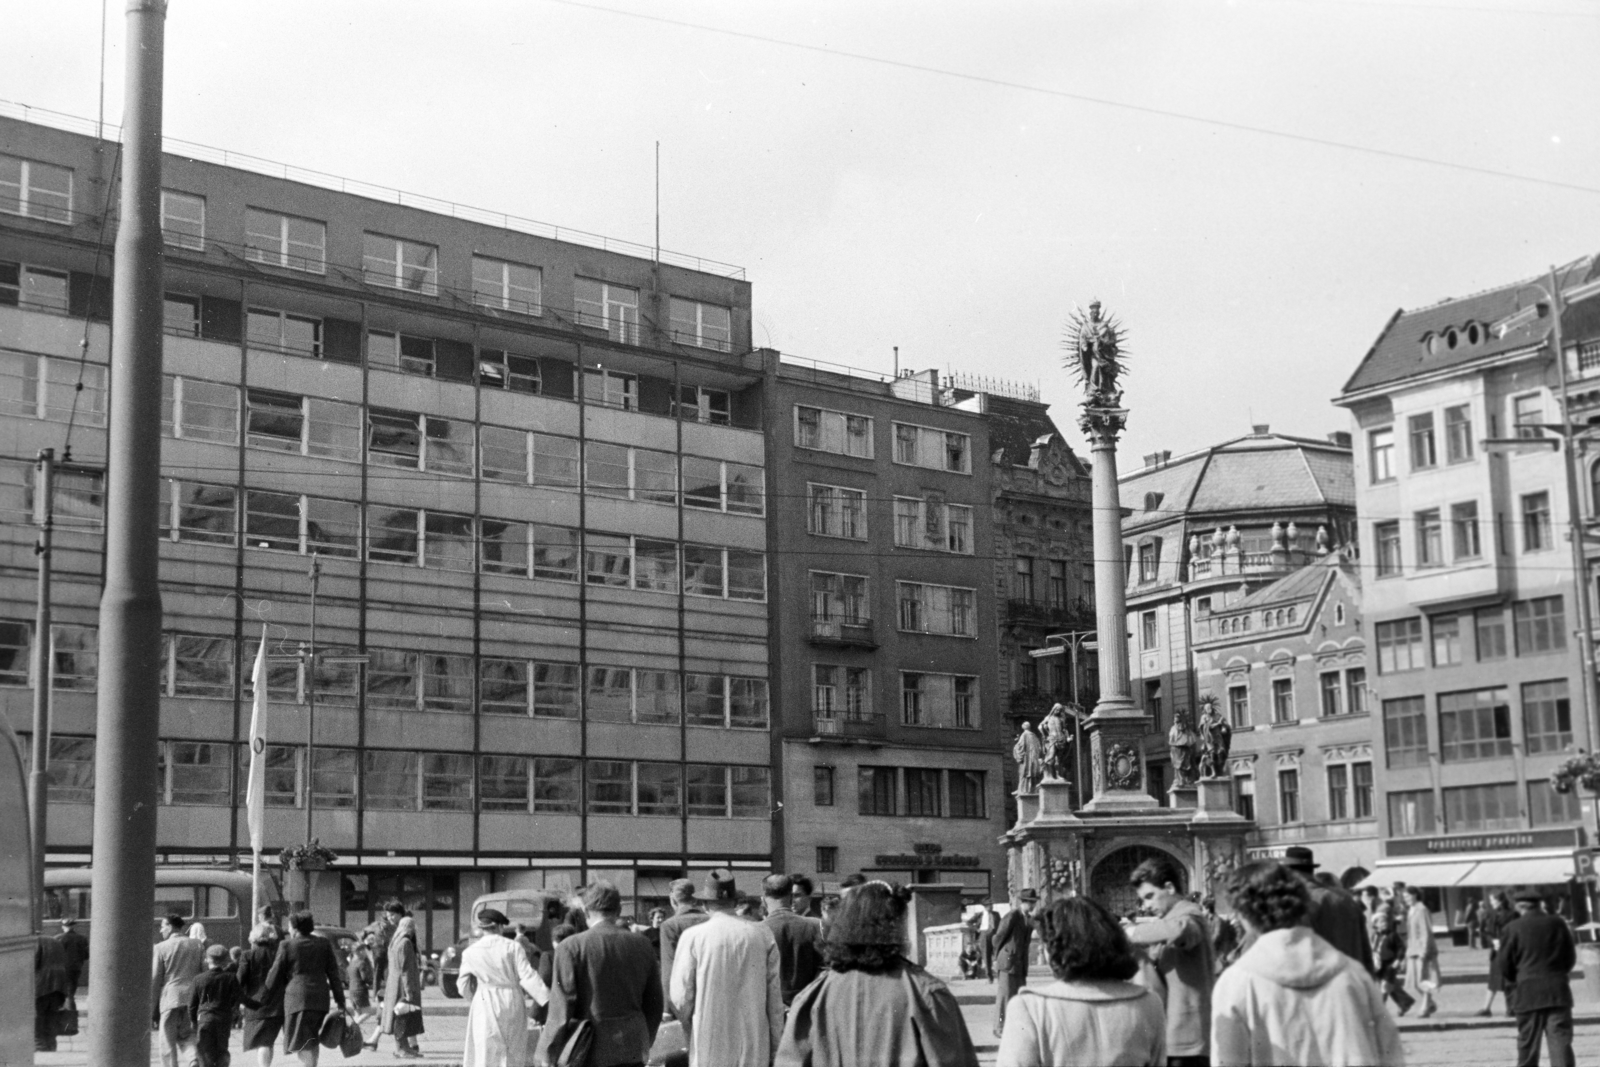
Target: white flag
(256, 791)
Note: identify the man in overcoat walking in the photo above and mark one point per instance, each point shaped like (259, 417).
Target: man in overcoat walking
(1537, 954)
(1011, 940)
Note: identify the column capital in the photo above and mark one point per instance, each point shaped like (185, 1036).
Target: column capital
(1102, 424)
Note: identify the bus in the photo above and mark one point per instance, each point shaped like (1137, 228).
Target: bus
(218, 898)
(18, 941)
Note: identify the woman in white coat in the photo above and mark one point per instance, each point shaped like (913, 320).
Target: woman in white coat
(1292, 997)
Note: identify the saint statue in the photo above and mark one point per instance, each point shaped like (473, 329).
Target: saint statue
(1057, 742)
(1096, 345)
(1029, 754)
(1216, 738)
(1183, 744)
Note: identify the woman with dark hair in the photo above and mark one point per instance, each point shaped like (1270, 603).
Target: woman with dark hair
(263, 1007)
(1292, 997)
(872, 1005)
(1091, 1013)
(1497, 915)
(306, 973)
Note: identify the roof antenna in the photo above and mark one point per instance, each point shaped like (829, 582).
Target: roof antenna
(658, 203)
(897, 361)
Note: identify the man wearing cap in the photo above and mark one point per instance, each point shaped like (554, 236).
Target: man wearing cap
(685, 913)
(76, 947)
(1336, 916)
(726, 984)
(608, 975)
(1011, 940)
(213, 999)
(500, 972)
(1537, 955)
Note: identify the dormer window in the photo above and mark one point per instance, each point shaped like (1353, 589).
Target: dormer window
(1153, 501)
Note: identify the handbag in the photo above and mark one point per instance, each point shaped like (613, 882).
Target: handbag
(332, 1033)
(571, 1045)
(66, 1022)
(354, 1040)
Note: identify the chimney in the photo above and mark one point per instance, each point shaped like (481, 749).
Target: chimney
(1341, 438)
(1259, 429)
(1157, 459)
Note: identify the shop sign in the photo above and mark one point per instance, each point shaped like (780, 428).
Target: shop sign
(1507, 840)
(927, 855)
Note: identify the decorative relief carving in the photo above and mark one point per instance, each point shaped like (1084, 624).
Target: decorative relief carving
(1122, 766)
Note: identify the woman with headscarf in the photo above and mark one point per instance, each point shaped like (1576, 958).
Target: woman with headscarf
(402, 991)
(263, 1006)
(1093, 1013)
(872, 1004)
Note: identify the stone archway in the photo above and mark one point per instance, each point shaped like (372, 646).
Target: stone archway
(1108, 883)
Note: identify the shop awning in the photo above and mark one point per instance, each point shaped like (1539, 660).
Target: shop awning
(1540, 868)
(1528, 867)
(1437, 873)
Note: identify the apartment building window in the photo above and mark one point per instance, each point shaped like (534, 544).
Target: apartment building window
(612, 308)
(503, 454)
(936, 609)
(1058, 582)
(706, 790)
(1152, 700)
(938, 700)
(557, 786)
(932, 525)
(876, 791)
(1405, 731)
(1380, 450)
(392, 535)
(280, 778)
(1546, 807)
(1386, 539)
(839, 597)
(193, 410)
(1541, 625)
(195, 772)
(1149, 559)
(1411, 813)
(396, 263)
(390, 780)
(611, 389)
(33, 288)
(1430, 538)
(1458, 433)
(16, 651)
(966, 794)
(1464, 530)
(837, 512)
(1424, 453)
(1355, 681)
(280, 331)
(199, 513)
(822, 786)
(1536, 535)
(1474, 725)
(922, 792)
(1149, 633)
(730, 573)
(1283, 700)
(555, 461)
(180, 315)
(842, 691)
(1481, 807)
(696, 403)
(631, 473)
(622, 694)
(1332, 689)
(500, 369)
(1400, 645)
(35, 190)
(1239, 706)
(506, 286)
(1446, 639)
(1527, 413)
(283, 422)
(750, 792)
(285, 241)
(658, 789)
(1361, 789)
(833, 431)
(827, 859)
(719, 485)
(183, 220)
(1546, 716)
(446, 781)
(1338, 775)
(1022, 584)
(701, 325)
(503, 783)
(404, 352)
(555, 690)
(925, 446)
(198, 666)
(1244, 794)
(1491, 631)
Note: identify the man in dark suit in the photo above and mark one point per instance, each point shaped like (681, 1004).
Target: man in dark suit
(307, 973)
(685, 913)
(609, 975)
(1336, 916)
(1537, 954)
(77, 949)
(799, 940)
(1011, 940)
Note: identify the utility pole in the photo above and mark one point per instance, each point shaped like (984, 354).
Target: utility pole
(311, 710)
(43, 667)
(128, 705)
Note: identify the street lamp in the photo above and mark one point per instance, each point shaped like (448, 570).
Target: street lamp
(1070, 644)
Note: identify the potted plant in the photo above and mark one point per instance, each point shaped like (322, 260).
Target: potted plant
(314, 856)
(1582, 769)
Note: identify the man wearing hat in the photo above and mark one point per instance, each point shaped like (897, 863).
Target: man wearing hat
(609, 975)
(1536, 956)
(499, 972)
(1336, 916)
(77, 950)
(726, 984)
(1011, 939)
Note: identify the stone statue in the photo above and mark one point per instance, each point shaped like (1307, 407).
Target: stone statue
(1097, 351)
(1216, 738)
(1184, 745)
(1029, 754)
(1057, 742)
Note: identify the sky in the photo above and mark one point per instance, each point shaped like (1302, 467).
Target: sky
(1252, 187)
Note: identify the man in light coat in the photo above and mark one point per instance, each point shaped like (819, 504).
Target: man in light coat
(726, 985)
(1184, 959)
(177, 962)
(1422, 952)
(497, 1020)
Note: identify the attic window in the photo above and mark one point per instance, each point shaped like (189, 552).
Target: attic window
(1338, 614)
(1152, 501)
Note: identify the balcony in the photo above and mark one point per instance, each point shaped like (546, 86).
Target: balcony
(848, 727)
(1077, 613)
(842, 633)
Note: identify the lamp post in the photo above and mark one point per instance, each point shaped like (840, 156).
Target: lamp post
(1069, 644)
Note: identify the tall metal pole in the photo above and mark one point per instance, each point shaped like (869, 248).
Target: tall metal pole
(129, 703)
(311, 718)
(43, 663)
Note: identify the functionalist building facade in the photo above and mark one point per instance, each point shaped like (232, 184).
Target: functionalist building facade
(533, 476)
(1469, 605)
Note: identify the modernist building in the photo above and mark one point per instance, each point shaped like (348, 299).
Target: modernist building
(534, 477)
(889, 710)
(1202, 532)
(1287, 667)
(1469, 599)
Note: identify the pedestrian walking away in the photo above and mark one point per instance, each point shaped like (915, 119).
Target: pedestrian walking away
(498, 972)
(1181, 941)
(1537, 957)
(1292, 997)
(402, 991)
(50, 992)
(177, 962)
(725, 983)
(1497, 915)
(871, 1005)
(1092, 1013)
(263, 1005)
(76, 947)
(1011, 938)
(799, 940)
(685, 913)
(306, 973)
(607, 976)
(1389, 954)
(215, 996)
(360, 975)
(1336, 915)
(1422, 951)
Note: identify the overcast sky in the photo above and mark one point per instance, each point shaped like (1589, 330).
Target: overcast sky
(959, 215)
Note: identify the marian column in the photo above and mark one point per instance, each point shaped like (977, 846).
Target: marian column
(1117, 727)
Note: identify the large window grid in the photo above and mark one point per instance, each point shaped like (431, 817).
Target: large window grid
(925, 446)
(307, 426)
(936, 609)
(183, 220)
(285, 241)
(1405, 731)
(1400, 645)
(503, 286)
(939, 701)
(395, 263)
(630, 473)
(726, 701)
(1541, 625)
(932, 525)
(35, 190)
(630, 694)
(833, 431)
(620, 787)
(1546, 716)
(1482, 807)
(1474, 725)
(721, 485)
(41, 387)
(836, 511)
(612, 308)
(701, 325)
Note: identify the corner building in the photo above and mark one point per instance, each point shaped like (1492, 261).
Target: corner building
(889, 728)
(533, 473)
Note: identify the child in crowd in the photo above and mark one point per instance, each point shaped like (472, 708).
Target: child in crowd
(212, 1004)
